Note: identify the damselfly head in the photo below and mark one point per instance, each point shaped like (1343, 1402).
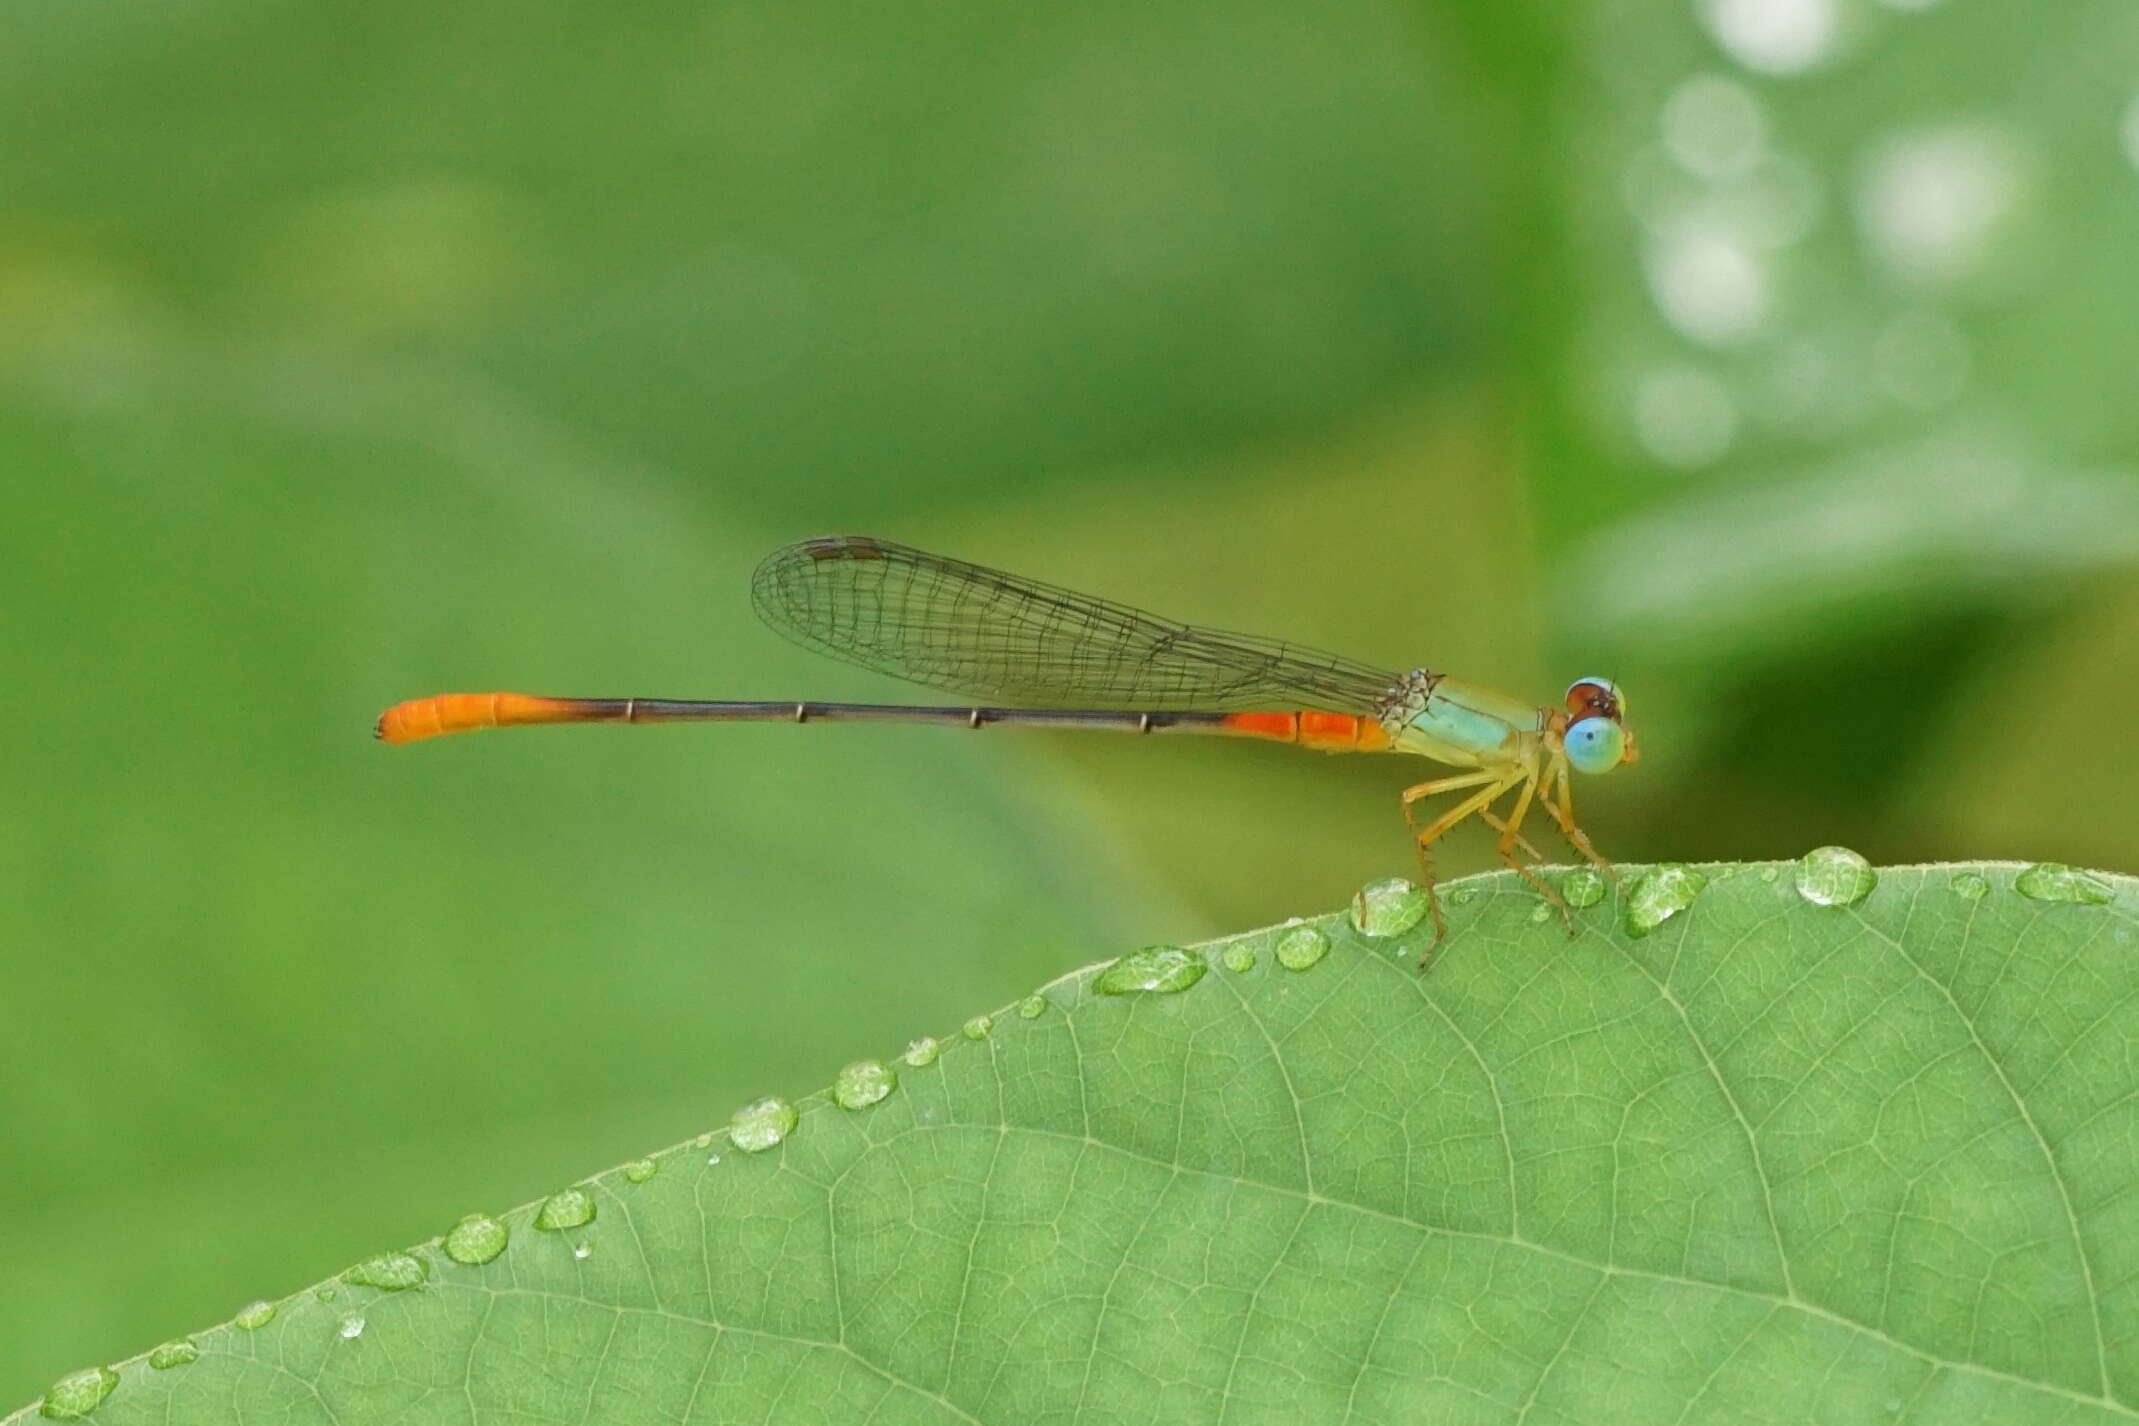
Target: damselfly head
(1597, 738)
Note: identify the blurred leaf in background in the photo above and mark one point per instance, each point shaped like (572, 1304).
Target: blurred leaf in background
(1768, 355)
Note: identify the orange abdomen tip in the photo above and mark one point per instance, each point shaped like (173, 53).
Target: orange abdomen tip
(432, 717)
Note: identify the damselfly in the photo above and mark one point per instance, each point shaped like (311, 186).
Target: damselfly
(1058, 659)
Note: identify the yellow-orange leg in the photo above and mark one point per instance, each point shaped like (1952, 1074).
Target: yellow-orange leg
(1424, 837)
(1510, 835)
(1493, 819)
(1563, 812)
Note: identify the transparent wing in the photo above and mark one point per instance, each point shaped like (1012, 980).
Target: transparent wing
(983, 633)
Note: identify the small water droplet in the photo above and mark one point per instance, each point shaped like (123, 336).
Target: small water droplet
(583, 1251)
(478, 1238)
(978, 1027)
(1661, 894)
(1388, 907)
(568, 1208)
(640, 1170)
(1834, 876)
(862, 1084)
(2054, 881)
(1970, 885)
(390, 1272)
(1237, 958)
(179, 1353)
(712, 1159)
(704, 1141)
(351, 1328)
(78, 1393)
(1541, 913)
(324, 1292)
(1032, 1007)
(923, 1052)
(255, 1315)
(1462, 895)
(1301, 946)
(1162, 970)
(1771, 873)
(762, 1124)
(1582, 886)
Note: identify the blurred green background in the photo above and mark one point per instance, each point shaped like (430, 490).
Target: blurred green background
(1771, 356)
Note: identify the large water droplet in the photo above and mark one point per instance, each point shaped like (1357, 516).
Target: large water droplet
(568, 1208)
(1237, 958)
(640, 1170)
(1582, 886)
(1032, 1007)
(2053, 881)
(478, 1238)
(178, 1353)
(762, 1124)
(1834, 876)
(862, 1084)
(978, 1028)
(1970, 885)
(1661, 894)
(1388, 907)
(254, 1315)
(390, 1272)
(1162, 970)
(923, 1052)
(1299, 947)
(77, 1394)
(351, 1328)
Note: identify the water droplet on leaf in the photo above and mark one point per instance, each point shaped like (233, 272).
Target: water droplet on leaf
(1238, 958)
(351, 1328)
(978, 1027)
(923, 1052)
(1388, 907)
(1541, 913)
(477, 1239)
(1032, 1007)
(1661, 894)
(568, 1208)
(1970, 885)
(255, 1315)
(2053, 881)
(862, 1084)
(179, 1353)
(77, 1394)
(1461, 895)
(762, 1124)
(1834, 876)
(1161, 970)
(640, 1170)
(583, 1251)
(390, 1272)
(1299, 947)
(1582, 886)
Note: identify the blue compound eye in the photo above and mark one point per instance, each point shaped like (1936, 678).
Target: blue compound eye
(1596, 745)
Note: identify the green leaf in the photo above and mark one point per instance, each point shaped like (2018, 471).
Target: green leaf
(1814, 1144)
